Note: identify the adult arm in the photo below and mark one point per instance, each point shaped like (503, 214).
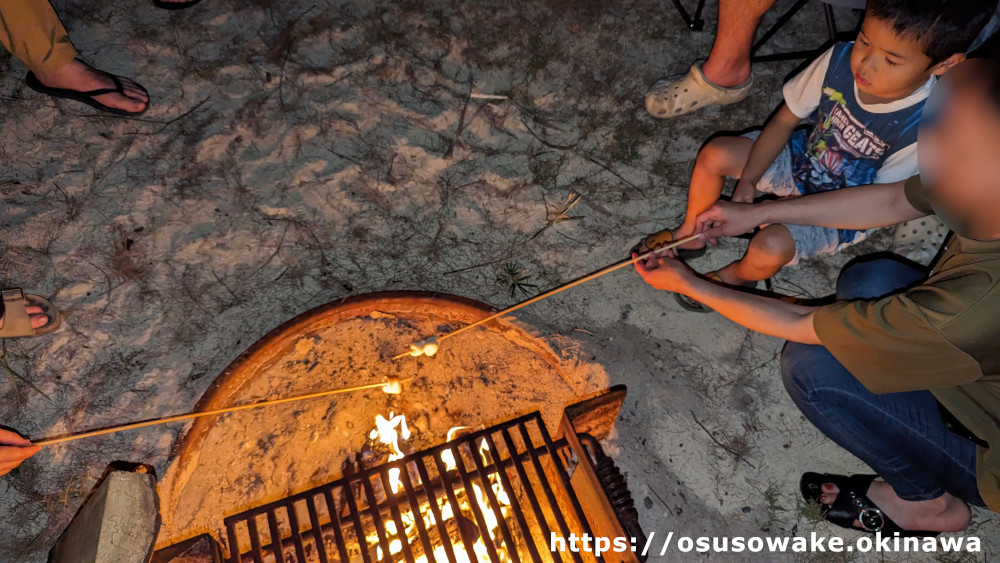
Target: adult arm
(766, 315)
(858, 207)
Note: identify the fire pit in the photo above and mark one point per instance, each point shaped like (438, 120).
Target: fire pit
(240, 461)
(496, 494)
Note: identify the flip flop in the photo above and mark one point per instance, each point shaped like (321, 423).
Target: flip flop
(697, 307)
(174, 5)
(852, 504)
(668, 97)
(85, 97)
(17, 322)
(665, 237)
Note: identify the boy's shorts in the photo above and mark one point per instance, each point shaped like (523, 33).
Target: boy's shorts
(809, 241)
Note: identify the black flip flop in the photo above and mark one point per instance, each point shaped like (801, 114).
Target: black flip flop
(852, 504)
(85, 97)
(174, 5)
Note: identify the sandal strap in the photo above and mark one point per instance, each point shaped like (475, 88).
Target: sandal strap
(659, 239)
(118, 89)
(852, 504)
(16, 320)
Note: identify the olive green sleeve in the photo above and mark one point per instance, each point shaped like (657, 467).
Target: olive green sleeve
(889, 346)
(916, 194)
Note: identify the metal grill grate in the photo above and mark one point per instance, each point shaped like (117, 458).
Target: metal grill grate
(507, 491)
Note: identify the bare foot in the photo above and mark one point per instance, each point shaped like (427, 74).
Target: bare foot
(37, 316)
(80, 76)
(946, 513)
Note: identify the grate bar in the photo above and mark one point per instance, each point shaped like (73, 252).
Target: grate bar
(396, 515)
(359, 530)
(335, 523)
(477, 512)
(293, 522)
(456, 508)
(442, 526)
(376, 517)
(509, 488)
(317, 529)
(495, 503)
(272, 523)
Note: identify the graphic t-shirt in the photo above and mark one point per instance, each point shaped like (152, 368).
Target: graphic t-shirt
(850, 143)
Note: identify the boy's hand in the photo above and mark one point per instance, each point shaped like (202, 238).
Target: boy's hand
(661, 272)
(13, 450)
(726, 219)
(745, 191)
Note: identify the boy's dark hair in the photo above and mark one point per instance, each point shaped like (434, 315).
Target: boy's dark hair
(943, 27)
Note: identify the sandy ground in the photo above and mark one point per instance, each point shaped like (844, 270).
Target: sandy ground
(300, 151)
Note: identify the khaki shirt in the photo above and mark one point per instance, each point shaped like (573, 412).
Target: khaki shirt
(942, 335)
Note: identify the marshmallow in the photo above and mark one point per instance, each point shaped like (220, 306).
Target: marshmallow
(427, 347)
(392, 386)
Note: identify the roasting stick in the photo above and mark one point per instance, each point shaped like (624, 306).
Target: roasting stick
(190, 415)
(424, 347)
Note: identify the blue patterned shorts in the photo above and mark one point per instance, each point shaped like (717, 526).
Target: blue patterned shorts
(809, 241)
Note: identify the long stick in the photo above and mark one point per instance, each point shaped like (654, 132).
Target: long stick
(561, 288)
(70, 437)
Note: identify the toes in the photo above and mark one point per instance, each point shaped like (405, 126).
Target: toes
(123, 102)
(134, 90)
(39, 320)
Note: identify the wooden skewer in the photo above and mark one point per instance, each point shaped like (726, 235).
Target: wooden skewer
(187, 416)
(561, 288)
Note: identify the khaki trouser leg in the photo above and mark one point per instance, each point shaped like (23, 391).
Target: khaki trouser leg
(32, 32)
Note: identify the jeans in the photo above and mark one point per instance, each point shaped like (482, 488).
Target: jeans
(899, 435)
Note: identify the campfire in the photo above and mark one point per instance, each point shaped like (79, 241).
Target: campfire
(408, 477)
(455, 521)
(491, 494)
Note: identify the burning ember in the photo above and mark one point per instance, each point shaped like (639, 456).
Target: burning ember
(389, 430)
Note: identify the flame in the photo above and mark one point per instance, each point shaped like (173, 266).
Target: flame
(385, 432)
(389, 431)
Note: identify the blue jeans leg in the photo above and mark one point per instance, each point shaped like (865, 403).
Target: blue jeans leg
(899, 435)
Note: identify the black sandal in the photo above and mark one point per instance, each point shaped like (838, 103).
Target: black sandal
(852, 504)
(689, 304)
(174, 5)
(85, 97)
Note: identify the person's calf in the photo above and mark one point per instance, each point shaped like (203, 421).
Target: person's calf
(771, 249)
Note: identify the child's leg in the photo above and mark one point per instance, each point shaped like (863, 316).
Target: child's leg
(769, 250)
(721, 158)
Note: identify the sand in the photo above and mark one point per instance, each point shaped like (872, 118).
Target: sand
(298, 152)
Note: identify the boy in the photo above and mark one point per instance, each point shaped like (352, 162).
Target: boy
(864, 101)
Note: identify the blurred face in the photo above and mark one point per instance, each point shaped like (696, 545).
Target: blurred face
(959, 162)
(888, 67)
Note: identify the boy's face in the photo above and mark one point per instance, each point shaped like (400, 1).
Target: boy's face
(888, 67)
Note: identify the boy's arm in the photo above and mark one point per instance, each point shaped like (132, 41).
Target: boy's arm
(858, 207)
(766, 148)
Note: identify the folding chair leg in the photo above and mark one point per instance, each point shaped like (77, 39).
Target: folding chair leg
(785, 18)
(694, 22)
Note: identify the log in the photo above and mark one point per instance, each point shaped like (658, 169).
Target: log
(118, 522)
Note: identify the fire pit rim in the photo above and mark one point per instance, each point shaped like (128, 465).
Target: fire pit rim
(246, 365)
